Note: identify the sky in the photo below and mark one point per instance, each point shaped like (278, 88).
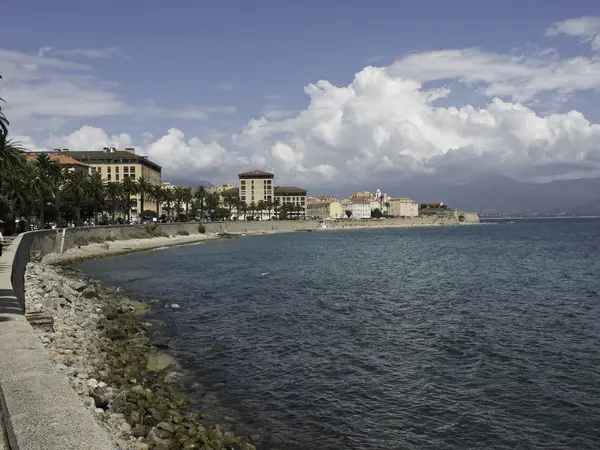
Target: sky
(329, 95)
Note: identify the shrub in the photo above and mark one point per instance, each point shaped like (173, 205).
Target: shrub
(95, 240)
(109, 238)
(183, 232)
(80, 241)
(201, 229)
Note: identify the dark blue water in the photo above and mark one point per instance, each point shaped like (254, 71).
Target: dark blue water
(482, 337)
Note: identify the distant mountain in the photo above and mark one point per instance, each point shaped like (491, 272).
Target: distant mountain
(506, 195)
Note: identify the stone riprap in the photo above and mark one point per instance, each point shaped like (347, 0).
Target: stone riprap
(96, 341)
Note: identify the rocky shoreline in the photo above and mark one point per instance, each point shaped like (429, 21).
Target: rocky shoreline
(94, 337)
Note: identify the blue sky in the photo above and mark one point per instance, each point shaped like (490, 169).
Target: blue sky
(239, 60)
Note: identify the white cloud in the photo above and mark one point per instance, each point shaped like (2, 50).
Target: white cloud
(92, 53)
(45, 92)
(586, 27)
(388, 125)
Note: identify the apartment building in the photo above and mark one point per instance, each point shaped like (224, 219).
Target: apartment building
(255, 186)
(403, 207)
(325, 210)
(117, 165)
(292, 195)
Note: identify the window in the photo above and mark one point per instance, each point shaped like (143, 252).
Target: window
(243, 198)
(117, 177)
(125, 169)
(108, 169)
(109, 176)
(132, 169)
(243, 182)
(116, 169)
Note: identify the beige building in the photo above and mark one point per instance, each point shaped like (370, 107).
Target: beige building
(294, 196)
(403, 207)
(325, 210)
(117, 165)
(255, 186)
(219, 189)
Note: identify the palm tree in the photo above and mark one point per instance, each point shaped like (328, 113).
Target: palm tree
(212, 204)
(143, 187)
(261, 206)
(113, 192)
(200, 195)
(179, 193)
(252, 208)
(78, 189)
(276, 205)
(157, 193)
(230, 202)
(4, 123)
(188, 196)
(97, 193)
(269, 207)
(169, 198)
(242, 209)
(44, 167)
(128, 188)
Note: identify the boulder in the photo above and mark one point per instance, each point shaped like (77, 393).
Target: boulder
(160, 361)
(89, 292)
(78, 285)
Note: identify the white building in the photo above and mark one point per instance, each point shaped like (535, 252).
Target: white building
(360, 209)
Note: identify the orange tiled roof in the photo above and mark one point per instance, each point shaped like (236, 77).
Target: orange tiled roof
(62, 159)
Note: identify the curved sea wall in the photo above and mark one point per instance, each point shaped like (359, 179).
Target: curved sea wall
(40, 410)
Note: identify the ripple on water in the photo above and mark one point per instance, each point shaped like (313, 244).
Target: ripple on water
(421, 338)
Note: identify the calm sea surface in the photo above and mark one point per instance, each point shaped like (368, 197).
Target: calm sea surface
(482, 337)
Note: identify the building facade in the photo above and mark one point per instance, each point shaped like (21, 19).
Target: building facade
(360, 209)
(116, 165)
(403, 207)
(292, 195)
(325, 210)
(255, 186)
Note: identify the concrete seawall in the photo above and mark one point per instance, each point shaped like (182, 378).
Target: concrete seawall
(40, 410)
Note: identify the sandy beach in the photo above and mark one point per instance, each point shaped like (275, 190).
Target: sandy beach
(121, 247)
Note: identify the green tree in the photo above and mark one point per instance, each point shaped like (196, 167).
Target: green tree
(179, 193)
(113, 192)
(157, 193)
(188, 196)
(348, 213)
(261, 206)
(4, 123)
(212, 204)
(128, 188)
(97, 192)
(376, 213)
(45, 168)
(276, 207)
(143, 188)
(200, 195)
(169, 199)
(77, 189)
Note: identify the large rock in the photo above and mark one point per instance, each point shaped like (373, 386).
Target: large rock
(78, 285)
(160, 361)
(89, 292)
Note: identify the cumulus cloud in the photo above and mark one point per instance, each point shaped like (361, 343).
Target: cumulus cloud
(389, 125)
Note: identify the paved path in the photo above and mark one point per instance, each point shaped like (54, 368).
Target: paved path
(7, 241)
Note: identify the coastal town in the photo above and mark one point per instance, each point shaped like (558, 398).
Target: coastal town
(126, 187)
